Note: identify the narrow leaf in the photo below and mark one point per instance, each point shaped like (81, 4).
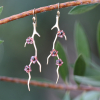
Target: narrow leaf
(92, 95)
(1, 8)
(1, 41)
(67, 96)
(81, 41)
(98, 37)
(87, 80)
(63, 70)
(82, 9)
(92, 72)
(80, 66)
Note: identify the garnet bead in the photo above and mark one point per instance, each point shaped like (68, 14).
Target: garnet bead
(33, 59)
(54, 52)
(27, 69)
(59, 62)
(60, 33)
(29, 40)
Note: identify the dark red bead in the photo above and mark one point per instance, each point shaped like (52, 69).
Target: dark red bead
(27, 69)
(60, 33)
(33, 59)
(59, 62)
(29, 40)
(54, 52)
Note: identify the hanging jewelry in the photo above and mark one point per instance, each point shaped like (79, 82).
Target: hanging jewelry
(61, 34)
(30, 40)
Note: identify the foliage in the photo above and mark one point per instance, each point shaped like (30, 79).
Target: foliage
(82, 9)
(63, 70)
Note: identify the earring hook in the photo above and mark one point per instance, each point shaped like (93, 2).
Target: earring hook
(58, 6)
(58, 12)
(34, 16)
(34, 12)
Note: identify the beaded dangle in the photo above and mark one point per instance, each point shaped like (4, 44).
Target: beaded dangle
(61, 34)
(30, 40)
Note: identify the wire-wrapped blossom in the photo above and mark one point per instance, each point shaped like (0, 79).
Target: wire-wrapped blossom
(53, 53)
(34, 60)
(61, 34)
(28, 70)
(59, 62)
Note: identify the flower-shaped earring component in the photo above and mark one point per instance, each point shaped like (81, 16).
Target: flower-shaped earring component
(34, 60)
(30, 40)
(59, 62)
(53, 53)
(28, 70)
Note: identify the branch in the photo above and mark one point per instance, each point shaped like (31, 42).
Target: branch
(47, 8)
(49, 85)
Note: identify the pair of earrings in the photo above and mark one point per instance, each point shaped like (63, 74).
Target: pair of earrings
(30, 40)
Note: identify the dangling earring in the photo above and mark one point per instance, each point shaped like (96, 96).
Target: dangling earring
(61, 34)
(30, 40)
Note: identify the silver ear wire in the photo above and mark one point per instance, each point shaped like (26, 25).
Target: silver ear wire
(34, 16)
(58, 12)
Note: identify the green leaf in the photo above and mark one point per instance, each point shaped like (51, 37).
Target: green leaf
(98, 37)
(82, 9)
(67, 96)
(1, 41)
(92, 72)
(81, 41)
(92, 95)
(87, 80)
(1, 8)
(63, 70)
(80, 67)
(80, 97)
(93, 69)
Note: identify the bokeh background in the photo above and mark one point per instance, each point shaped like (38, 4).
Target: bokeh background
(13, 55)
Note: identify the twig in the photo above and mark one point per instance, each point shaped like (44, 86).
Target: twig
(47, 8)
(49, 85)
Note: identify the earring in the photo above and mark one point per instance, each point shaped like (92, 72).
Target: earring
(30, 40)
(61, 34)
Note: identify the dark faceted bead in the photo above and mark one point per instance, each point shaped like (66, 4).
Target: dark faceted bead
(59, 62)
(60, 33)
(33, 59)
(29, 40)
(27, 69)
(54, 52)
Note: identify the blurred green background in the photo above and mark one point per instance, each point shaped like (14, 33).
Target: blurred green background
(13, 55)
